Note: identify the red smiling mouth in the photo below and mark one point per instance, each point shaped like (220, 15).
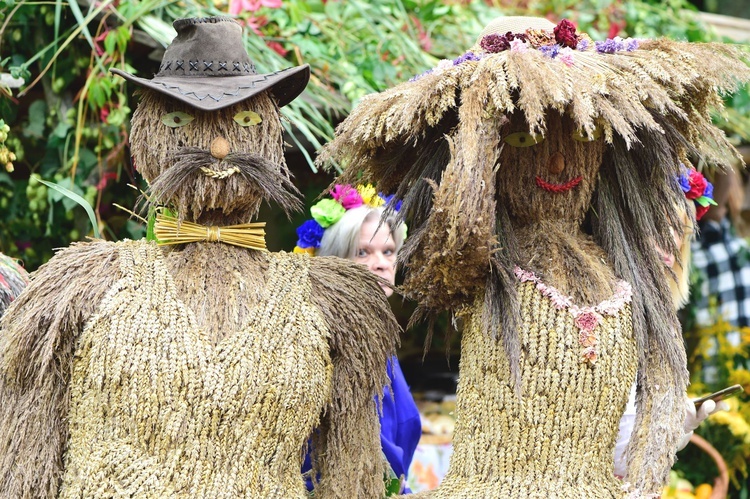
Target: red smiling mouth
(547, 186)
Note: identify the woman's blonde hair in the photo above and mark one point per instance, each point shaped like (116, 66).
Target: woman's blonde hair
(341, 239)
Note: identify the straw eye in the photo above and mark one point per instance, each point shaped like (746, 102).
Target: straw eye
(523, 139)
(176, 119)
(247, 118)
(580, 136)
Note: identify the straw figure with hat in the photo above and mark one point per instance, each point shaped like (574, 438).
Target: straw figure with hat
(13, 278)
(540, 175)
(197, 365)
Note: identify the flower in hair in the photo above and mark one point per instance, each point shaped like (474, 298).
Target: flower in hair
(370, 195)
(327, 212)
(468, 56)
(518, 45)
(309, 234)
(566, 56)
(697, 188)
(347, 195)
(494, 43)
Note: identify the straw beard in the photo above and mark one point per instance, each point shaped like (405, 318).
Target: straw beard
(186, 188)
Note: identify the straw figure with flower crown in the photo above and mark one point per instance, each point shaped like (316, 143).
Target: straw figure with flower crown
(198, 366)
(13, 278)
(539, 173)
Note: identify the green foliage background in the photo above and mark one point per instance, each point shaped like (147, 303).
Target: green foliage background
(68, 122)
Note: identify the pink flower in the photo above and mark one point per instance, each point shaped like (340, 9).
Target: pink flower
(566, 56)
(518, 45)
(347, 196)
(237, 6)
(587, 321)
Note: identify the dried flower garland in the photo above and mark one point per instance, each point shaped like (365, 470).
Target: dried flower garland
(560, 43)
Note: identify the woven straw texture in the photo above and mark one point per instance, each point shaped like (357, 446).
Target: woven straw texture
(207, 421)
(558, 439)
(138, 383)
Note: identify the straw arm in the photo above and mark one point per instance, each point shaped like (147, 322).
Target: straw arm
(364, 334)
(37, 338)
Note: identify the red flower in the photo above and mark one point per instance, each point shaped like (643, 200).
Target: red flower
(565, 34)
(700, 211)
(494, 43)
(278, 48)
(697, 185)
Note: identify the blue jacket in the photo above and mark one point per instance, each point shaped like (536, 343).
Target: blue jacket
(400, 426)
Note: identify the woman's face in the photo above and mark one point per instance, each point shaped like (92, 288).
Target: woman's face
(377, 250)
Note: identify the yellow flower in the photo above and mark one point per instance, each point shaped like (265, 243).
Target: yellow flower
(370, 195)
(741, 377)
(734, 421)
(310, 251)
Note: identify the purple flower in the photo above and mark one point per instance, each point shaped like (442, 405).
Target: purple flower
(309, 234)
(709, 192)
(468, 56)
(684, 182)
(631, 44)
(387, 199)
(583, 44)
(415, 78)
(550, 50)
(609, 46)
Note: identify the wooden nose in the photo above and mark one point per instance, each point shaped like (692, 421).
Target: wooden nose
(219, 148)
(556, 163)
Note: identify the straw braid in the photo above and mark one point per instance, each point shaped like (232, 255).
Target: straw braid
(220, 174)
(169, 230)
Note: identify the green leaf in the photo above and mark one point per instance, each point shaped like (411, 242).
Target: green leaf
(110, 42)
(705, 201)
(78, 199)
(37, 118)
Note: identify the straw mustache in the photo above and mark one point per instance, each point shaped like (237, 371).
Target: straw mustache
(236, 175)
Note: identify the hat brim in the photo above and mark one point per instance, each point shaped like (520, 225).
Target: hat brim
(210, 93)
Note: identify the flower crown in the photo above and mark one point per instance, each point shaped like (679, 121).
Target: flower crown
(327, 212)
(696, 187)
(561, 43)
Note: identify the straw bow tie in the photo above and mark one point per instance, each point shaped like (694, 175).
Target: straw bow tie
(169, 230)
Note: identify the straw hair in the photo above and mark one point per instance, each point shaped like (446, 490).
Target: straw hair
(169, 230)
(13, 278)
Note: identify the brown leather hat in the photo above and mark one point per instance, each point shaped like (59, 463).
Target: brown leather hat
(207, 67)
